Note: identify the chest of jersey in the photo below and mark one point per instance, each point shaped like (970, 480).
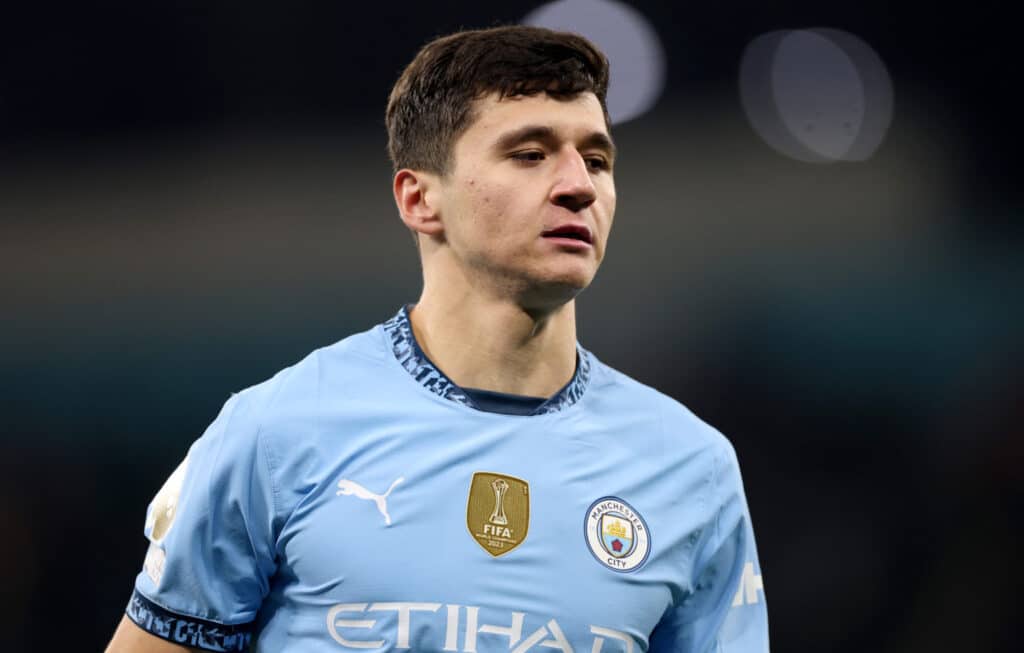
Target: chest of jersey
(466, 532)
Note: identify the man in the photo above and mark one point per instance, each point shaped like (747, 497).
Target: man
(464, 477)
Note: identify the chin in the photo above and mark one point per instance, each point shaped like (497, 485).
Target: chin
(551, 293)
(575, 280)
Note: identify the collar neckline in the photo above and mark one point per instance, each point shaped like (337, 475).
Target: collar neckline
(409, 355)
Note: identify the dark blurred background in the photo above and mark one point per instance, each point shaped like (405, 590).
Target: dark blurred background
(194, 195)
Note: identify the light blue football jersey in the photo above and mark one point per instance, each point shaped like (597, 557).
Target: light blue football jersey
(361, 501)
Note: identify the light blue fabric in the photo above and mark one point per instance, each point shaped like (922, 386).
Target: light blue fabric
(326, 509)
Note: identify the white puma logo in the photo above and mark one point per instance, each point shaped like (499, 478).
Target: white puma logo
(348, 488)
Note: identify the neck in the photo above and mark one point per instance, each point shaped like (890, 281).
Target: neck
(495, 344)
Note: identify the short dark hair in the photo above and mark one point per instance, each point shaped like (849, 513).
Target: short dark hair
(431, 103)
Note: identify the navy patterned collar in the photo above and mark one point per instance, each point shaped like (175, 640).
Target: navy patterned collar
(408, 353)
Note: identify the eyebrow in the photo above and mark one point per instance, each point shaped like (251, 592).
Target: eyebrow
(545, 134)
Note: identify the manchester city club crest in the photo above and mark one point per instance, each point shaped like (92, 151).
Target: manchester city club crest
(616, 534)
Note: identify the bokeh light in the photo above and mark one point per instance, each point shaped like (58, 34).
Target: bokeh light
(816, 95)
(634, 51)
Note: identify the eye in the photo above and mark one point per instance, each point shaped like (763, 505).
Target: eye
(528, 156)
(597, 163)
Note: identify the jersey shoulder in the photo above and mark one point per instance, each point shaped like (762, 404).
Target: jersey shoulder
(619, 391)
(349, 358)
(297, 390)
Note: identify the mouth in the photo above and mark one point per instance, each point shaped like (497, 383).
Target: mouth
(577, 232)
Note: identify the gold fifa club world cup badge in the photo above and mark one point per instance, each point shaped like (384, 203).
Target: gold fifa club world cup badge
(498, 511)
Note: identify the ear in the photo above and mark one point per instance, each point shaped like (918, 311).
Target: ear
(416, 194)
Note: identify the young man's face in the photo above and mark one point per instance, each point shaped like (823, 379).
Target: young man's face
(529, 201)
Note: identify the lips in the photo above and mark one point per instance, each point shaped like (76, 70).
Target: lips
(571, 231)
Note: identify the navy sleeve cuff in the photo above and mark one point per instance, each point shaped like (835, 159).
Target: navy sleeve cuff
(185, 630)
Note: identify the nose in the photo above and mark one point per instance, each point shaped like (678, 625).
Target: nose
(574, 189)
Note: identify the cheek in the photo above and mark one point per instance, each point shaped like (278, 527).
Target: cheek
(491, 216)
(474, 218)
(608, 206)
(491, 207)
(608, 190)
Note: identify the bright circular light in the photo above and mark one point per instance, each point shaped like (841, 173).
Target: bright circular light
(632, 46)
(816, 95)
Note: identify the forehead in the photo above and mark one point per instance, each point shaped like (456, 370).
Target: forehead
(577, 117)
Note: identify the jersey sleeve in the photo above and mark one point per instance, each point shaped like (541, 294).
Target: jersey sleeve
(725, 611)
(211, 534)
